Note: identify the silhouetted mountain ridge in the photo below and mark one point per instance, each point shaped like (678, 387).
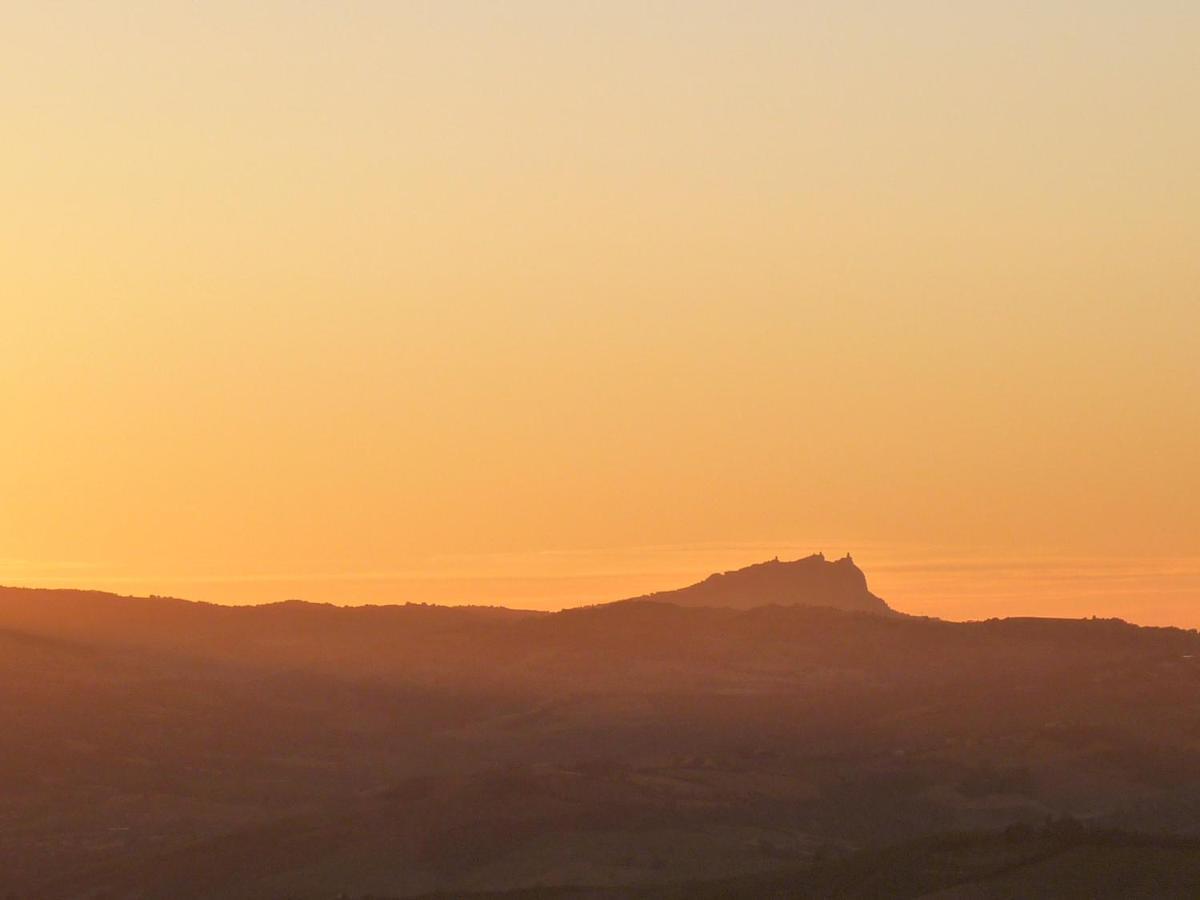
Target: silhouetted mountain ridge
(811, 581)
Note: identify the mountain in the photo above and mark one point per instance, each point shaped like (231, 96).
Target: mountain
(156, 748)
(811, 581)
(421, 641)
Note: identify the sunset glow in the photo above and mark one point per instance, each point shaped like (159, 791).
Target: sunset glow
(551, 303)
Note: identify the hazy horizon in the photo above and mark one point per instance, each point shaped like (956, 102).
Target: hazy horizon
(946, 584)
(468, 302)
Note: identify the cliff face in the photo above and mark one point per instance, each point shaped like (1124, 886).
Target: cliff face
(812, 581)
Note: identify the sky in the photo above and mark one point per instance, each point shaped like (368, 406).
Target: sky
(544, 303)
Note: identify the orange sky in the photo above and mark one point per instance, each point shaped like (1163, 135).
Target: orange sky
(548, 303)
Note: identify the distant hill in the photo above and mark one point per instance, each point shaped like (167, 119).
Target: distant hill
(417, 638)
(294, 632)
(156, 748)
(811, 581)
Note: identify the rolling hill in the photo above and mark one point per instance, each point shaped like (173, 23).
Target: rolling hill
(159, 748)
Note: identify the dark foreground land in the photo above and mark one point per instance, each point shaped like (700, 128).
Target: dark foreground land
(691, 744)
(1061, 859)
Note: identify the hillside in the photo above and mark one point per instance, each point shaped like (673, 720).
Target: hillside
(1060, 859)
(157, 748)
